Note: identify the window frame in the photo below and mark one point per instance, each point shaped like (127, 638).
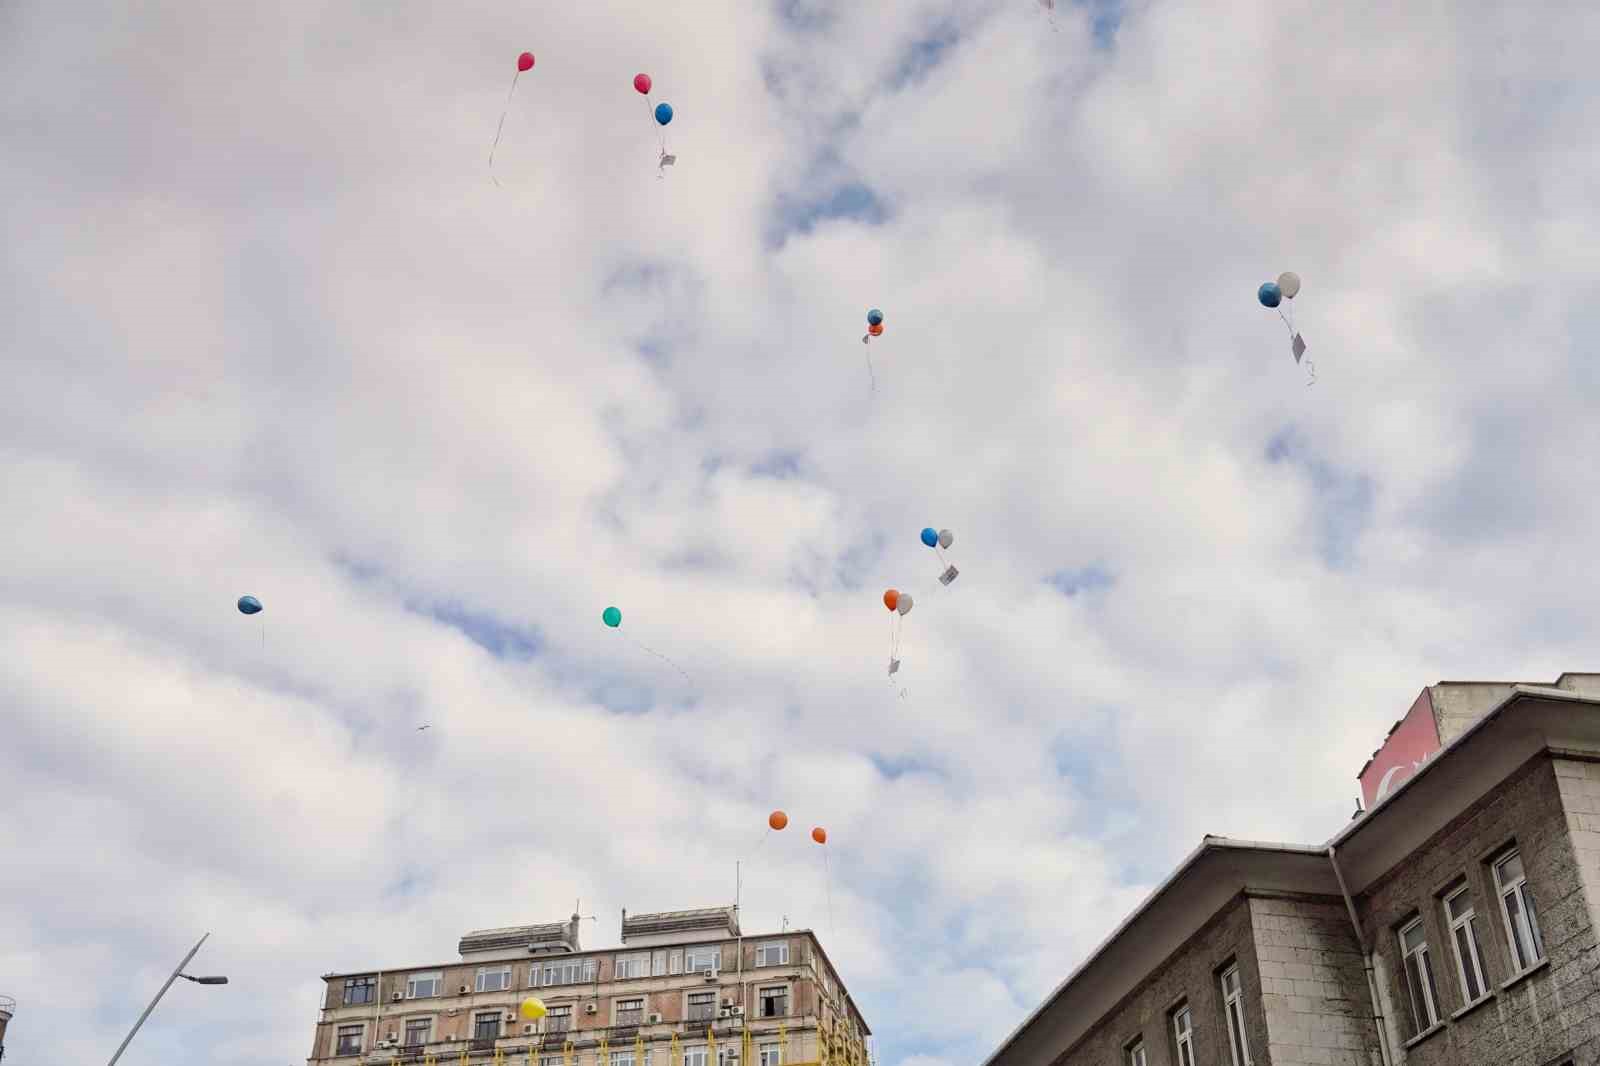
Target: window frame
(617, 1009)
(367, 984)
(713, 950)
(689, 1004)
(1183, 1038)
(782, 947)
(698, 1050)
(1527, 911)
(499, 1018)
(587, 970)
(1134, 1054)
(484, 971)
(339, 1034)
(630, 957)
(1425, 979)
(436, 976)
(1468, 922)
(788, 996)
(774, 1049)
(1233, 1016)
(426, 1025)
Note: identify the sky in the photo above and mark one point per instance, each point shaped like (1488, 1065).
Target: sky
(270, 329)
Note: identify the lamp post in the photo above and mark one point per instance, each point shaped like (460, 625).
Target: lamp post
(175, 975)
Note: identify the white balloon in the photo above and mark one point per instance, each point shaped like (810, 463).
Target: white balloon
(1288, 284)
(946, 538)
(903, 605)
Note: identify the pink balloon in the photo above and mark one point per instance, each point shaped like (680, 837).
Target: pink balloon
(525, 61)
(642, 83)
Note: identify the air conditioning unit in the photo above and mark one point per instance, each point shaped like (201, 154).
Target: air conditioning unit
(655, 1019)
(453, 1011)
(727, 1001)
(393, 1037)
(738, 1012)
(462, 990)
(589, 1008)
(723, 1013)
(380, 1044)
(529, 1029)
(396, 998)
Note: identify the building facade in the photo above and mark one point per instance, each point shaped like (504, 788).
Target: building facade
(8, 1007)
(685, 988)
(1455, 923)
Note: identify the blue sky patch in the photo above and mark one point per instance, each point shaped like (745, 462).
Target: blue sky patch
(498, 639)
(1087, 579)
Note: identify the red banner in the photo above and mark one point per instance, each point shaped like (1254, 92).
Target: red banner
(1410, 743)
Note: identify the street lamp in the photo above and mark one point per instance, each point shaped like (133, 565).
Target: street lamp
(175, 975)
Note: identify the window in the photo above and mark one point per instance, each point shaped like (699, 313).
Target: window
(630, 1012)
(1463, 921)
(349, 1040)
(486, 1026)
(1516, 907)
(551, 1060)
(728, 1055)
(702, 958)
(360, 990)
(774, 1001)
(418, 1030)
(675, 961)
(1233, 1008)
(568, 971)
(1423, 993)
(622, 1058)
(423, 985)
(771, 1055)
(694, 1056)
(702, 1007)
(658, 964)
(559, 1020)
(773, 954)
(631, 966)
(1136, 1055)
(1183, 1035)
(496, 980)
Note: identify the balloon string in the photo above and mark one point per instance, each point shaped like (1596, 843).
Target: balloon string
(502, 126)
(663, 658)
(827, 880)
(870, 375)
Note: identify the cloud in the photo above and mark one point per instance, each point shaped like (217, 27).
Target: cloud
(272, 330)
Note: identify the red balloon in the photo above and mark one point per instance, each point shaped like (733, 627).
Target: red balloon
(525, 61)
(642, 83)
(820, 835)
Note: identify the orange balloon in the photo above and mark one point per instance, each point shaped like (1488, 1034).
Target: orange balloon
(820, 835)
(877, 330)
(777, 819)
(891, 599)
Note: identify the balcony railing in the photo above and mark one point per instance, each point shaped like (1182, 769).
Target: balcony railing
(626, 1018)
(482, 1043)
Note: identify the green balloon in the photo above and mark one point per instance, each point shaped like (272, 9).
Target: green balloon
(612, 617)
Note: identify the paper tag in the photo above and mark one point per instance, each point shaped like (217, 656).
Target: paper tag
(1299, 347)
(948, 576)
(894, 664)
(668, 160)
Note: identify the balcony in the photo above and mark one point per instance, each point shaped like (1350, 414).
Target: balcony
(701, 1012)
(627, 1018)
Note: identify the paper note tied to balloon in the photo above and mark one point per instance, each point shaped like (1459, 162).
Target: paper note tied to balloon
(668, 160)
(894, 664)
(1299, 347)
(948, 576)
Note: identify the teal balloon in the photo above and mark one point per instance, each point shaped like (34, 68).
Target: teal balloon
(249, 605)
(874, 317)
(1269, 294)
(612, 617)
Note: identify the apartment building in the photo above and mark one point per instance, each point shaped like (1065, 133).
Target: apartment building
(1455, 922)
(685, 988)
(8, 1007)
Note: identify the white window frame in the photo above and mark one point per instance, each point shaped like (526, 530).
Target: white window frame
(436, 976)
(1183, 1035)
(769, 1055)
(427, 1033)
(551, 1060)
(626, 960)
(617, 1009)
(584, 968)
(1465, 926)
(1527, 920)
(788, 1000)
(658, 963)
(1136, 1055)
(499, 1023)
(562, 1011)
(713, 950)
(622, 1057)
(675, 961)
(1424, 1019)
(485, 971)
(339, 1035)
(780, 946)
(698, 1051)
(1233, 1017)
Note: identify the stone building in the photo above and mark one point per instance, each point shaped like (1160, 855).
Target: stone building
(1457, 921)
(686, 988)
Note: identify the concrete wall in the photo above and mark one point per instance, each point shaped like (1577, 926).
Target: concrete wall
(1313, 985)
(1190, 974)
(1538, 1018)
(1457, 704)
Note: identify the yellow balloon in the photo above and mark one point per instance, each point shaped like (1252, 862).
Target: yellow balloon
(533, 1008)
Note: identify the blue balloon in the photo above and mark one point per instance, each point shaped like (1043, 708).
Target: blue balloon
(874, 317)
(1270, 295)
(663, 113)
(930, 537)
(249, 605)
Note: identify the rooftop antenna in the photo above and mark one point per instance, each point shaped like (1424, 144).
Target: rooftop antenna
(785, 923)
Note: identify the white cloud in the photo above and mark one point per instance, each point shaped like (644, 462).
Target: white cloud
(272, 330)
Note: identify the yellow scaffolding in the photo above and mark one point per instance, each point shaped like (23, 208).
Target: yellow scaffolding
(602, 1053)
(566, 1053)
(674, 1052)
